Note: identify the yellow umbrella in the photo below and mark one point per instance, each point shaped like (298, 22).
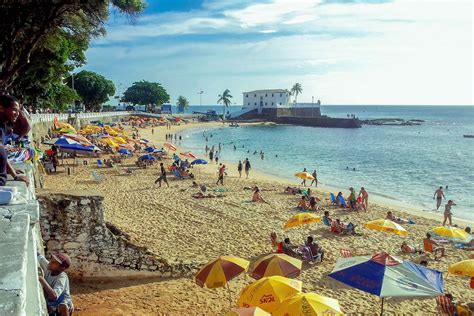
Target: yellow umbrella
(276, 264)
(218, 272)
(451, 233)
(301, 219)
(120, 140)
(304, 176)
(268, 293)
(462, 268)
(249, 311)
(308, 304)
(386, 225)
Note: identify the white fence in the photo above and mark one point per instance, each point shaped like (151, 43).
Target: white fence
(38, 118)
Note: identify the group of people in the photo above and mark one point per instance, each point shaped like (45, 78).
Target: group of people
(244, 166)
(315, 179)
(310, 250)
(169, 137)
(439, 196)
(353, 202)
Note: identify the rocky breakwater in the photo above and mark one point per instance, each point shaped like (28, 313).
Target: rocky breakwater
(73, 222)
(391, 122)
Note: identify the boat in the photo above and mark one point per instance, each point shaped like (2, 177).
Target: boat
(233, 124)
(468, 136)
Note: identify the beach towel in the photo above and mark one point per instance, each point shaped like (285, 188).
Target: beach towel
(345, 253)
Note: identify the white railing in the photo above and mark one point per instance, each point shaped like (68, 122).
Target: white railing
(38, 118)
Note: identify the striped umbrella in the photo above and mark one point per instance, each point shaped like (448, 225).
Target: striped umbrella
(188, 154)
(386, 225)
(276, 264)
(452, 233)
(218, 272)
(170, 146)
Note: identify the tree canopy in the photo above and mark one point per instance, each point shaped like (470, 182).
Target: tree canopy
(182, 103)
(224, 98)
(94, 89)
(145, 92)
(40, 44)
(296, 89)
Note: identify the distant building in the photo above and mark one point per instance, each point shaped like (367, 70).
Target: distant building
(270, 98)
(166, 108)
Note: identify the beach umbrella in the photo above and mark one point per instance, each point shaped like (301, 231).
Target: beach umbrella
(308, 304)
(462, 268)
(276, 264)
(452, 233)
(62, 141)
(150, 149)
(124, 151)
(188, 155)
(199, 162)
(387, 276)
(147, 157)
(127, 146)
(268, 292)
(218, 272)
(170, 146)
(79, 138)
(301, 219)
(386, 225)
(249, 311)
(304, 176)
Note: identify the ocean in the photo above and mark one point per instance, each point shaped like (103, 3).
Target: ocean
(403, 164)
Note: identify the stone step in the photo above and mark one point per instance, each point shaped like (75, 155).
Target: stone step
(14, 233)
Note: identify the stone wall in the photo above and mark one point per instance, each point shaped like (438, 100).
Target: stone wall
(73, 223)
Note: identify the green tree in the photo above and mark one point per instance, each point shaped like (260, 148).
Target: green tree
(26, 26)
(144, 92)
(224, 98)
(94, 89)
(296, 89)
(182, 104)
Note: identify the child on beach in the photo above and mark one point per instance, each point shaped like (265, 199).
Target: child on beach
(302, 204)
(55, 283)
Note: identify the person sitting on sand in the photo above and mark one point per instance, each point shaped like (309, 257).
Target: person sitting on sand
(316, 251)
(257, 196)
(406, 248)
(313, 203)
(201, 195)
(432, 246)
(326, 219)
(289, 248)
(302, 204)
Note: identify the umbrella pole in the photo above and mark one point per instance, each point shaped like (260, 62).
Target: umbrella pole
(230, 295)
(381, 310)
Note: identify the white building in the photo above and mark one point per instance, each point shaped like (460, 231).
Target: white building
(271, 98)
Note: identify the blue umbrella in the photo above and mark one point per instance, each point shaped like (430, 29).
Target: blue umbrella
(387, 276)
(147, 157)
(62, 141)
(199, 162)
(150, 149)
(124, 151)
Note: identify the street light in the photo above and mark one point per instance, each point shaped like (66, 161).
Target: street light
(200, 97)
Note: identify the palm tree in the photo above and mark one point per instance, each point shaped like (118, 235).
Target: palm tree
(225, 99)
(296, 89)
(182, 104)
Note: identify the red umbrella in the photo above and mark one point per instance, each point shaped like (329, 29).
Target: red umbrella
(188, 154)
(170, 146)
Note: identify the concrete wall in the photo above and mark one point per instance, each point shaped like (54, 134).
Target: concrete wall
(73, 222)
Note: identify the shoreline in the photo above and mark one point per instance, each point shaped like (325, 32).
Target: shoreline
(393, 204)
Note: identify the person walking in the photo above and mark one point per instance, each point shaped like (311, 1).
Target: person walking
(439, 194)
(447, 212)
(211, 155)
(216, 157)
(162, 176)
(220, 179)
(239, 168)
(315, 180)
(303, 183)
(247, 167)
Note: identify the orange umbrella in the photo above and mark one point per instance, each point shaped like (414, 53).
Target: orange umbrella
(170, 146)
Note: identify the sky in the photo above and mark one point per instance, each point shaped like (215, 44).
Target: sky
(376, 52)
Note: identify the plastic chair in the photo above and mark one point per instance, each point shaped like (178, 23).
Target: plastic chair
(97, 177)
(445, 306)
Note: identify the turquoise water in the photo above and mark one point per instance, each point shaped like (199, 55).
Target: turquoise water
(404, 163)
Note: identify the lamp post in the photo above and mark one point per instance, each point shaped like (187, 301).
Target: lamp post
(200, 97)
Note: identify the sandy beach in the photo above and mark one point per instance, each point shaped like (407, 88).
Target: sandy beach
(178, 227)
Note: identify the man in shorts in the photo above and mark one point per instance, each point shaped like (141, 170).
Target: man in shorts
(439, 194)
(162, 176)
(447, 212)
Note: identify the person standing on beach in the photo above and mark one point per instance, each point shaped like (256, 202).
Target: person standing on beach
(216, 157)
(447, 212)
(303, 183)
(211, 155)
(315, 180)
(439, 194)
(207, 149)
(152, 131)
(239, 168)
(247, 167)
(162, 176)
(365, 197)
(220, 179)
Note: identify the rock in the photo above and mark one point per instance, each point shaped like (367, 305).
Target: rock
(71, 245)
(85, 202)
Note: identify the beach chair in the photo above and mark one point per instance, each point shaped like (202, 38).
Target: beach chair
(445, 306)
(333, 199)
(97, 177)
(342, 201)
(100, 163)
(346, 253)
(308, 256)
